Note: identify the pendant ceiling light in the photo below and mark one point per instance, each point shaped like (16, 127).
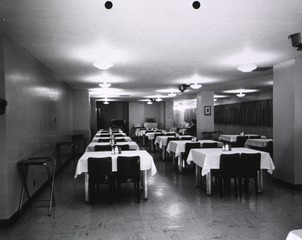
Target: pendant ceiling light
(158, 99)
(172, 94)
(240, 94)
(103, 65)
(195, 86)
(105, 85)
(105, 101)
(247, 67)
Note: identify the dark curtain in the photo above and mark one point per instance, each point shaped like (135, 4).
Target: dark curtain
(190, 114)
(258, 113)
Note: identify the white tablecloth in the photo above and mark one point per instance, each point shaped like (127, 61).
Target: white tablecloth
(233, 137)
(209, 158)
(146, 160)
(132, 145)
(95, 139)
(109, 134)
(178, 147)
(263, 142)
(162, 140)
(146, 165)
(294, 235)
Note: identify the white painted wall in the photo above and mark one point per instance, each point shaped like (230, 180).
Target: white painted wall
(205, 123)
(38, 115)
(287, 112)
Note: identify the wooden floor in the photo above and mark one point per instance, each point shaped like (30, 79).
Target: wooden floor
(176, 209)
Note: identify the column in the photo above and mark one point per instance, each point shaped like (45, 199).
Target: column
(287, 112)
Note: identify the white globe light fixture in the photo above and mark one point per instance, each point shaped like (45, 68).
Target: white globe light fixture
(240, 94)
(172, 94)
(105, 85)
(247, 67)
(195, 86)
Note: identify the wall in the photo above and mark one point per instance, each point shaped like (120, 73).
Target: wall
(81, 113)
(287, 112)
(93, 117)
(139, 111)
(136, 115)
(169, 112)
(235, 129)
(38, 115)
(205, 123)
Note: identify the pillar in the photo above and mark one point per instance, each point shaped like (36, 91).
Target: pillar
(205, 112)
(287, 110)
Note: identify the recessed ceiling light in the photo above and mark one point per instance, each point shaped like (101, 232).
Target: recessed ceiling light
(195, 86)
(247, 67)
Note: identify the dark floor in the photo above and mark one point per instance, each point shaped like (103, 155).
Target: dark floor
(176, 209)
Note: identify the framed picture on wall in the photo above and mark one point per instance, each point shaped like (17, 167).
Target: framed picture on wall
(207, 110)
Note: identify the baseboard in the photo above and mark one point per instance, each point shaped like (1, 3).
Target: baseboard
(5, 223)
(296, 187)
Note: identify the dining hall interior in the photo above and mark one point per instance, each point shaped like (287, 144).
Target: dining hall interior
(177, 87)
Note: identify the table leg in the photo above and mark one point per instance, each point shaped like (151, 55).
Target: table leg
(86, 188)
(173, 160)
(151, 145)
(197, 175)
(145, 184)
(163, 153)
(260, 180)
(208, 184)
(180, 163)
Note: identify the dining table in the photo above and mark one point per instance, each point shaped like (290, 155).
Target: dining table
(178, 148)
(294, 235)
(206, 159)
(109, 134)
(146, 166)
(162, 142)
(127, 139)
(132, 145)
(259, 142)
(151, 137)
(233, 137)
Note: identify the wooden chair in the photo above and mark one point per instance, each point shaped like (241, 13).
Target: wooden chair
(102, 148)
(229, 168)
(128, 171)
(100, 172)
(249, 167)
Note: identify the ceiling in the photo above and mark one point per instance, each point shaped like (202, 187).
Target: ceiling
(155, 45)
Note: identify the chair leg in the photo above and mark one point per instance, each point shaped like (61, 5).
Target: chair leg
(119, 191)
(236, 186)
(137, 191)
(220, 186)
(246, 184)
(91, 192)
(240, 186)
(256, 185)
